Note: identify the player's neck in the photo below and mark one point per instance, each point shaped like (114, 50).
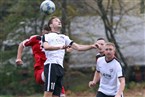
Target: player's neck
(102, 53)
(109, 58)
(56, 30)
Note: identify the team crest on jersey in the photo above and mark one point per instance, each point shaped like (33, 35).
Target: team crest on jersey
(62, 37)
(107, 76)
(111, 70)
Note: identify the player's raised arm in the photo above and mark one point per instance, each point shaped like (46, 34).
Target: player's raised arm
(80, 47)
(19, 54)
(51, 48)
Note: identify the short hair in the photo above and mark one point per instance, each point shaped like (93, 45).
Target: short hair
(101, 39)
(50, 22)
(112, 44)
(45, 27)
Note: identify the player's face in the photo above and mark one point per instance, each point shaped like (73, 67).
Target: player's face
(101, 45)
(56, 23)
(109, 51)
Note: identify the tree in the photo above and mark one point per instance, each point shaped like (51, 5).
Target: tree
(18, 20)
(107, 10)
(142, 6)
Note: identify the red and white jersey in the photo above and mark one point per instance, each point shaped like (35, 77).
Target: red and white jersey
(36, 45)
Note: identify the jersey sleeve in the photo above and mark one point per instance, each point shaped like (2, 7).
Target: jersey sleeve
(68, 41)
(45, 38)
(119, 71)
(29, 42)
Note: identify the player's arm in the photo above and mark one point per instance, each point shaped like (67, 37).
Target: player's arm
(69, 49)
(54, 47)
(121, 87)
(19, 54)
(95, 79)
(82, 47)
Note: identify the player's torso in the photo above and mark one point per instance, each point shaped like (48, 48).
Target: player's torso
(55, 56)
(109, 79)
(107, 69)
(36, 45)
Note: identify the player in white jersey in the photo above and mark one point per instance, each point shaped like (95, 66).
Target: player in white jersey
(110, 74)
(100, 51)
(55, 44)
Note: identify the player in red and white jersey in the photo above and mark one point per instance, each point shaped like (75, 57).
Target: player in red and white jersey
(35, 42)
(39, 56)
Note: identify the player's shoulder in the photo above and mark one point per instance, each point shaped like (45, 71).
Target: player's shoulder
(33, 36)
(63, 36)
(117, 60)
(101, 58)
(50, 34)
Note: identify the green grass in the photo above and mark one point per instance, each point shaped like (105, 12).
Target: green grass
(37, 95)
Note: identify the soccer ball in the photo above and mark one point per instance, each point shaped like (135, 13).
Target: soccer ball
(47, 7)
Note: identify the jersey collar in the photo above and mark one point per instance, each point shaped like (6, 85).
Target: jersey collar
(109, 60)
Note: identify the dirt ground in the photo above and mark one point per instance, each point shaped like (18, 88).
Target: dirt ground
(127, 93)
(135, 92)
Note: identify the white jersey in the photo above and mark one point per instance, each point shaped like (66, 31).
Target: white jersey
(56, 56)
(110, 72)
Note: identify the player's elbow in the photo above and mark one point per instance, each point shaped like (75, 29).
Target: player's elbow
(76, 47)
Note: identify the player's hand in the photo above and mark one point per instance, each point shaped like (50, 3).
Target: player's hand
(97, 45)
(69, 50)
(91, 84)
(19, 62)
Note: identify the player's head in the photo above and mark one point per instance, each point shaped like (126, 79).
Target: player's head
(101, 42)
(110, 50)
(54, 24)
(45, 29)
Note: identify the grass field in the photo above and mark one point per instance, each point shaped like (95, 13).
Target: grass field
(135, 90)
(127, 93)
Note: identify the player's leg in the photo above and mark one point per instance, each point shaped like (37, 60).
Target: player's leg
(58, 84)
(47, 94)
(40, 79)
(62, 92)
(39, 75)
(50, 79)
(39, 71)
(100, 94)
(53, 74)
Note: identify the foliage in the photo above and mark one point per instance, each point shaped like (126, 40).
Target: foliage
(17, 81)
(76, 80)
(134, 85)
(18, 20)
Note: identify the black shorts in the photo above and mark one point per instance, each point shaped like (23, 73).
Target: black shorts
(53, 78)
(100, 94)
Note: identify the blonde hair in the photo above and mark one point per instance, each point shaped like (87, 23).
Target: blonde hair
(110, 44)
